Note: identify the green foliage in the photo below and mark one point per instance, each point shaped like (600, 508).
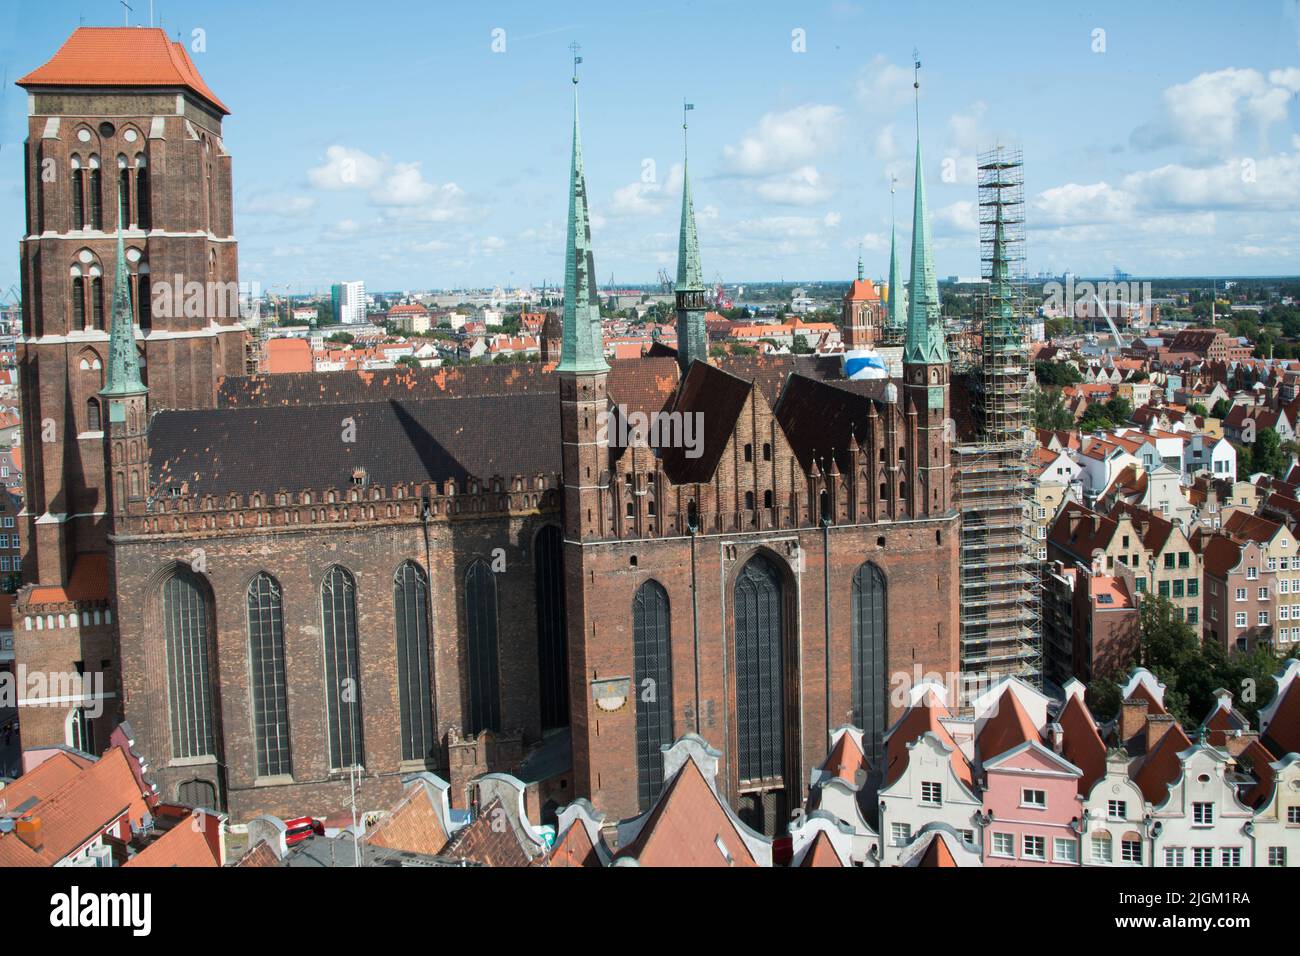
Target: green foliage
(800, 346)
(1050, 411)
(1221, 408)
(342, 338)
(1196, 408)
(1191, 669)
(1113, 413)
(1056, 374)
(1266, 455)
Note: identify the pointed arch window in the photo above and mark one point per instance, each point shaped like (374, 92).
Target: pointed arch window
(93, 423)
(78, 300)
(96, 195)
(186, 613)
(123, 193)
(414, 675)
(653, 687)
(270, 700)
(484, 712)
(78, 194)
(142, 217)
(760, 672)
(342, 669)
(870, 615)
(552, 653)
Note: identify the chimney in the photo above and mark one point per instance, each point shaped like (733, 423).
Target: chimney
(1142, 528)
(28, 830)
(1132, 719)
(1096, 523)
(1157, 726)
(1055, 736)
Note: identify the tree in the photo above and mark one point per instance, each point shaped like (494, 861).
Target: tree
(800, 346)
(1266, 455)
(342, 338)
(1056, 373)
(1196, 408)
(1050, 411)
(409, 360)
(1245, 462)
(1221, 409)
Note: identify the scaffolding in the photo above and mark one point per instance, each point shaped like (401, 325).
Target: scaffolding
(1001, 577)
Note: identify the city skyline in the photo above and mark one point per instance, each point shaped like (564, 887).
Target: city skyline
(1184, 163)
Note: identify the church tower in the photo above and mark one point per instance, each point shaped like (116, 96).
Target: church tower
(124, 151)
(692, 343)
(925, 360)
(583, 372)
(861, 313)
(896, 312)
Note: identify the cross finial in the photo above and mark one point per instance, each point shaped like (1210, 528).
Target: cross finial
(916, 83)
(574, 48)
(686, 107)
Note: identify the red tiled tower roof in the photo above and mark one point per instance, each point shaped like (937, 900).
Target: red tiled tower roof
(121, 56)
(821, 853)
(1081, 744)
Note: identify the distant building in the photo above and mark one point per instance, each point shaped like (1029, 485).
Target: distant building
(349, 300)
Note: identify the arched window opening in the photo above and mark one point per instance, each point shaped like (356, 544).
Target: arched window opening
(267, 685)
(342, 669)
(484, 711)
(186, 613)
(552, 651)
(653, 687)
(869, 614)
(414, 673)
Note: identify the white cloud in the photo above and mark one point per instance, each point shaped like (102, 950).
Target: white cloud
(883, 86)
(803, 187)
(648, 196)
(346, 168)
(1269, 183)
(1208, 111)
(277, 204)
(1075, 204)
(961, 215)
(784, 141)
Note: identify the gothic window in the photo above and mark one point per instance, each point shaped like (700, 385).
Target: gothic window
(414, 674)
(78, 300)
(142, 217)
(92, 415)
(96, 195)
(760, 684)
(870, 616)
(342, 668)
(185, 635)
(123, 193)
(78, 194)
(97, 301)
(552, 656)
(653, 687)
(267, 681)
(484, 712)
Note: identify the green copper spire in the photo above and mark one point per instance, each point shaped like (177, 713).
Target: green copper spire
(896, 316)
(123, 362)
(582, 346)
(692, 343)
(925, 343)
(861, 272)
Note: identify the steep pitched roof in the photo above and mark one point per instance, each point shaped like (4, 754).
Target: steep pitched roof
(1161, 767)
(573, 848)
(1092, 532)
(1081, 743)
(821, 853)
(42, 781)
(1249, 527)
(937, 853)
(1153, 529)
(922, 718)
(1008, 727)
(845, 759)
(481, 842)
(413, 825)
(719, 397)
(686, 825)
(1283, 730)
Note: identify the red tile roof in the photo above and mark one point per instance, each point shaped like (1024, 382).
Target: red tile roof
(937, 853)
(685, 826)
(1283, 731)
(1161, 766)
(845, 759)
(821, 853)
(413, 825)
(573, 848)
(922, 718)
(1081, 744)
(1008, 727)
(185, 844)
(121, 56)
(88, 582)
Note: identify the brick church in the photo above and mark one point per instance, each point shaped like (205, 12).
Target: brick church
(288, 585)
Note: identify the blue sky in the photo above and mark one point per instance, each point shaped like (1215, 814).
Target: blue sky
(1166, 145)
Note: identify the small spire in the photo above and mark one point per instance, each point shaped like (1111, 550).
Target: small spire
(896, 316)
(925, 341)
(123, 362)
(861, 273)
(582, 344)
(692, 342)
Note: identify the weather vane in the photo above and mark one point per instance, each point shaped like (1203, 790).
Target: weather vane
(685, 108)
(576, 59)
